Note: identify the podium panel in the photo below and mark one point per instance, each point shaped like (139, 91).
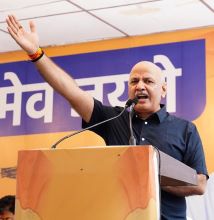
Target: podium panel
(92, 183)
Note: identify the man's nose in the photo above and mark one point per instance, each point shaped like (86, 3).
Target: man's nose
(140, 85)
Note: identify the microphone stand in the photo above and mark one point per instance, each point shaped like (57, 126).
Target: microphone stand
(132, 139)
(128, 104)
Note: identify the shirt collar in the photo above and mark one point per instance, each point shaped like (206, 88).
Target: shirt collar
(160, 115)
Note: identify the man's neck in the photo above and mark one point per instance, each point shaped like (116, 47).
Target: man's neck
(145, 115)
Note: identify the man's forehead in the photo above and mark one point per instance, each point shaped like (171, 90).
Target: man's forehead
(142, 74)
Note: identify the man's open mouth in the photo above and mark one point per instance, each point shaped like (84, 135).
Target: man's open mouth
(142, 96)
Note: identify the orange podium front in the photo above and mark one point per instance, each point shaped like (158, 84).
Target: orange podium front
(93, 183)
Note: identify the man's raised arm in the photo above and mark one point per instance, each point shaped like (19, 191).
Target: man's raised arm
(63, 83)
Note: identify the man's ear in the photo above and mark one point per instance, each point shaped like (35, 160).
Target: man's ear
(164, 89)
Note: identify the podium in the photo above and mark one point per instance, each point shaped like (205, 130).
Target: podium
(95, 183)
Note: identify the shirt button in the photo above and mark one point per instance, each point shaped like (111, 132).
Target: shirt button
(146, 122)
(143, 139)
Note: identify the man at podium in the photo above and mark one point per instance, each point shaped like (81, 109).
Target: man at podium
(152, 124)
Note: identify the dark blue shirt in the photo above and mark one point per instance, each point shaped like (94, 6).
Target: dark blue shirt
(174, 136)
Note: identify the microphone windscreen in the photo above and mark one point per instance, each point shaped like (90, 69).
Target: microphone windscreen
(135, 100)
(131, 101)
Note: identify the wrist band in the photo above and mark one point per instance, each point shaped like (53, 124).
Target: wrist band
(37, 55)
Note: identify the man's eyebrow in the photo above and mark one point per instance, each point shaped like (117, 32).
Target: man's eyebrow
(145, 77)
(134, 77)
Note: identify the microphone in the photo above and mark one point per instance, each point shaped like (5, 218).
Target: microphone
(128, 104)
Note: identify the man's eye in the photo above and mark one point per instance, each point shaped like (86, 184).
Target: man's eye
(134, 81)
(148, 81)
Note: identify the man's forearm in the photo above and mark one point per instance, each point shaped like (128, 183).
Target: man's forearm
(183, 190)
(188, 190)
(64, 84)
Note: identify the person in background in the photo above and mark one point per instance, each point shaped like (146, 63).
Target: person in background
(7, 207)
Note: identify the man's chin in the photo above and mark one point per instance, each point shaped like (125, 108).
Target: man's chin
(142, 108)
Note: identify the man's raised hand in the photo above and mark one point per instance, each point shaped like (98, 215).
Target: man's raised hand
(27, 40)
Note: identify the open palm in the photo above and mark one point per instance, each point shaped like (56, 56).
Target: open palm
(27, 40)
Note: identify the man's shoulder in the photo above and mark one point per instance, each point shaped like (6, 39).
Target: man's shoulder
(180, 120)
(99, 104)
